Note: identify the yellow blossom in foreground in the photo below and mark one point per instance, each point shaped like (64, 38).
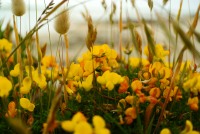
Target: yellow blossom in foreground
(26, 104)
(193, 103)
(25, 89)
(5, 45)
(78, 117)
(68, 126)
(15, 72)
(99, 125)
(189, 128)
(165, 131)
(71, 124)
(5, 86)
(83, 128)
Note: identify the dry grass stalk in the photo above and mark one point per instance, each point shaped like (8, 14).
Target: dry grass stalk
(92, 33)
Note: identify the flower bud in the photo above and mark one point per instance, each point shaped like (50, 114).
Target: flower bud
(18, 7)
(61, 24)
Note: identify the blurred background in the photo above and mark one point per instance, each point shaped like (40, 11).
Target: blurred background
(100, 15)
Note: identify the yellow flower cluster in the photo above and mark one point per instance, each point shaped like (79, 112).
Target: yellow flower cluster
(160, 53)
(109, 79)
(79, 125)
(101, 57)
(193, 83)
(5, 46)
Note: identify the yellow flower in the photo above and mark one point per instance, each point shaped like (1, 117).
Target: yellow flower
(75, 70)
(15, 72)
(99, 125)
(87, 84)
(83, 128)
(98, 122)
(78, 117)
(131, 112)
(189, 128)
(165, 131)
(25, 89)
(27, 70)
(193, 103)
(157, 69)
(52, 73)
(136, 85)
(5, 86)
(135, 62)
(68, 126)
(40, 79)
(26, 104)
(130, 99)
(103, 131)
(166, 91)
(160, 53)
(110, 79)
(155, 92)
(49, 61)
(5, 45)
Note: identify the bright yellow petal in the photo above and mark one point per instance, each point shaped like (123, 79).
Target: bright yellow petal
(98, 122)
(68, 126)
(5, 86)
(24, 103)
(83, 128)
(31, 107)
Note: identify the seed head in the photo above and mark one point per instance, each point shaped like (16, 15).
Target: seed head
(61, 24)
(18, 7)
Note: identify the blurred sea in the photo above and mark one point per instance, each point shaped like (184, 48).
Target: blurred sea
(78, 27)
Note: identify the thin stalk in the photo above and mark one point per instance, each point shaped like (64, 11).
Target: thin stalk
(120, 31)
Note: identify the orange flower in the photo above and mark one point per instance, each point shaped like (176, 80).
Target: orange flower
(12, 111)
(193, 103)
(155, 92)
(136, 85)
(131, 114)
(166, 91)
(124, 85)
